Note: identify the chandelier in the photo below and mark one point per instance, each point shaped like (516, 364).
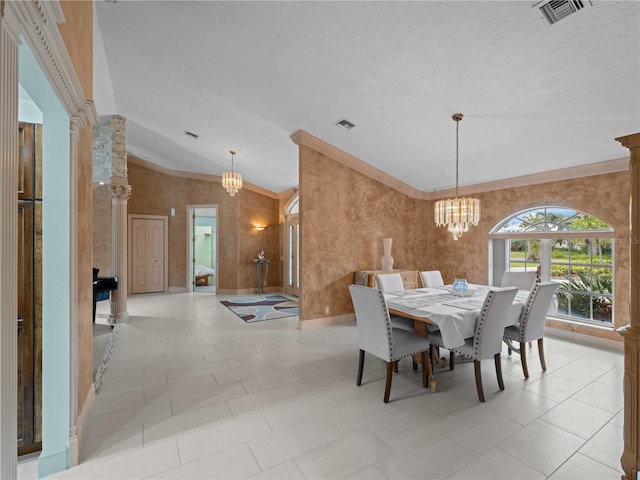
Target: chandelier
(232, 181)
(457, 214)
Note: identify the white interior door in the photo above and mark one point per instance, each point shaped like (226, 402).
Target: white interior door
(148, 254)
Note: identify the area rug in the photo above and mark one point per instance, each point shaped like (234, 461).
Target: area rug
(256, 309)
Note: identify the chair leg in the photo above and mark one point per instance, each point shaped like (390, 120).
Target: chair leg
(498, 361)
(387, 387)
(476, 367)
(523, 359)
(433, 351)
(360, 368)
(395, 366)
(543, 364)
(414, 364)
(452, 360)
(425, 373)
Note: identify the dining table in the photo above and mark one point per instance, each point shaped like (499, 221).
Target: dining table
(454, 314)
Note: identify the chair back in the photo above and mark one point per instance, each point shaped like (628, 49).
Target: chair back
(535, 311)
(487, 340)
(375, 334)
(390, 282)
(522, 280)
(431, 278)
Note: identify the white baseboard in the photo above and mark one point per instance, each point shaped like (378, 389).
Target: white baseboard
(584, 339)
(248, 291)
(326, 321)
(178, 290)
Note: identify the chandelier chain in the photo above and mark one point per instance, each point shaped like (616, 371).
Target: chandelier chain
(457, 143)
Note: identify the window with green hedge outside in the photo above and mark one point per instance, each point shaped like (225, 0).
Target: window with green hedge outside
(564, 245)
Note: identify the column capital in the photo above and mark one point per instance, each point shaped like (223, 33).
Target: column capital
(120, 192)
(630, 141)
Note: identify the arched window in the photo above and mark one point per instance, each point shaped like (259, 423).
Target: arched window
(564, 245)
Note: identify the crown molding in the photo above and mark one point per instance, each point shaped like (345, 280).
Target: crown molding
(579, 171)
(630, 141)
(37, 21)
(305, 138)
(199, 176)
(598, 168)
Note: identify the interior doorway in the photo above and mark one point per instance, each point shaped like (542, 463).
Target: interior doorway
(291, 247)
(203, 251)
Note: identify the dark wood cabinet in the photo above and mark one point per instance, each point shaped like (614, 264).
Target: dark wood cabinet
(29, 290)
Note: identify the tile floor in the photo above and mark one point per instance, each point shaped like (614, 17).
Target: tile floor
(192, 391)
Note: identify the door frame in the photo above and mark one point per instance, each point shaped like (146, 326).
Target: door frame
(190, 253)
(165, 220)
(291, 218)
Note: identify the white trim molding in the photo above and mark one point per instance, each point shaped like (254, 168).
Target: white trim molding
(8, 241)
(35, 21)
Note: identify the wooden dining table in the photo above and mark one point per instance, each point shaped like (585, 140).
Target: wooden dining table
(453, 315)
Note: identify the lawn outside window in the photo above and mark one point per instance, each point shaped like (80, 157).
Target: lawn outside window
(567, 246)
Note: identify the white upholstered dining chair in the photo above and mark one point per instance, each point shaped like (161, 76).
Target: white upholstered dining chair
(531, 324)
(377, 337)
(431, 278)
(392, 282)
(487, 340)
(522, 280)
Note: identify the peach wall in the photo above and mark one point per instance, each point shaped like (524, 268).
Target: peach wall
(102, 230)
(605, 196)
(344, 215)
(155, 193)
(77, 34)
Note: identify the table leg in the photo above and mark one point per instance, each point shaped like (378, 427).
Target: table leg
(442, 361)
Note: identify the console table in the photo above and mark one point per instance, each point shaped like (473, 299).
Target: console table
(262, 268)
(368, 277)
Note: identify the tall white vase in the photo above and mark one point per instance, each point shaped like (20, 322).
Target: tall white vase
(387, 259)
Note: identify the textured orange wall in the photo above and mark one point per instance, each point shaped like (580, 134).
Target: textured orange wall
(155, 193)
(605, 196)
(344, 215)
(102, 230)
(77, 34)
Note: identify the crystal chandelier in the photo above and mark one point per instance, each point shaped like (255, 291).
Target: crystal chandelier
(457, 214)
(232, 181)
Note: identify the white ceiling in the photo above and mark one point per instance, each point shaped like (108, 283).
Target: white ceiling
(246, 75)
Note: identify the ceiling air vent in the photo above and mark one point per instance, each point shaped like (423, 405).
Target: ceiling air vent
(344, 123)
(555, 10)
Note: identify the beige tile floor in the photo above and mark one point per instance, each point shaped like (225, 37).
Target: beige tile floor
(192, 391)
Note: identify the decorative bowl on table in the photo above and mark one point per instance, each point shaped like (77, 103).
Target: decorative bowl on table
(460, 288)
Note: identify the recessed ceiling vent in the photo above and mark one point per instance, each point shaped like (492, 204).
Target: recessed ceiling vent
(195, 136)
(346, 124)
(552, 11)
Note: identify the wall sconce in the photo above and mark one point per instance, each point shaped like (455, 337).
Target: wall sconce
(259, 227)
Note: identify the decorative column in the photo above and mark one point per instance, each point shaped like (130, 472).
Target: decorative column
(8, 246)
(110, 167)
(119, 198)
(630, 459)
